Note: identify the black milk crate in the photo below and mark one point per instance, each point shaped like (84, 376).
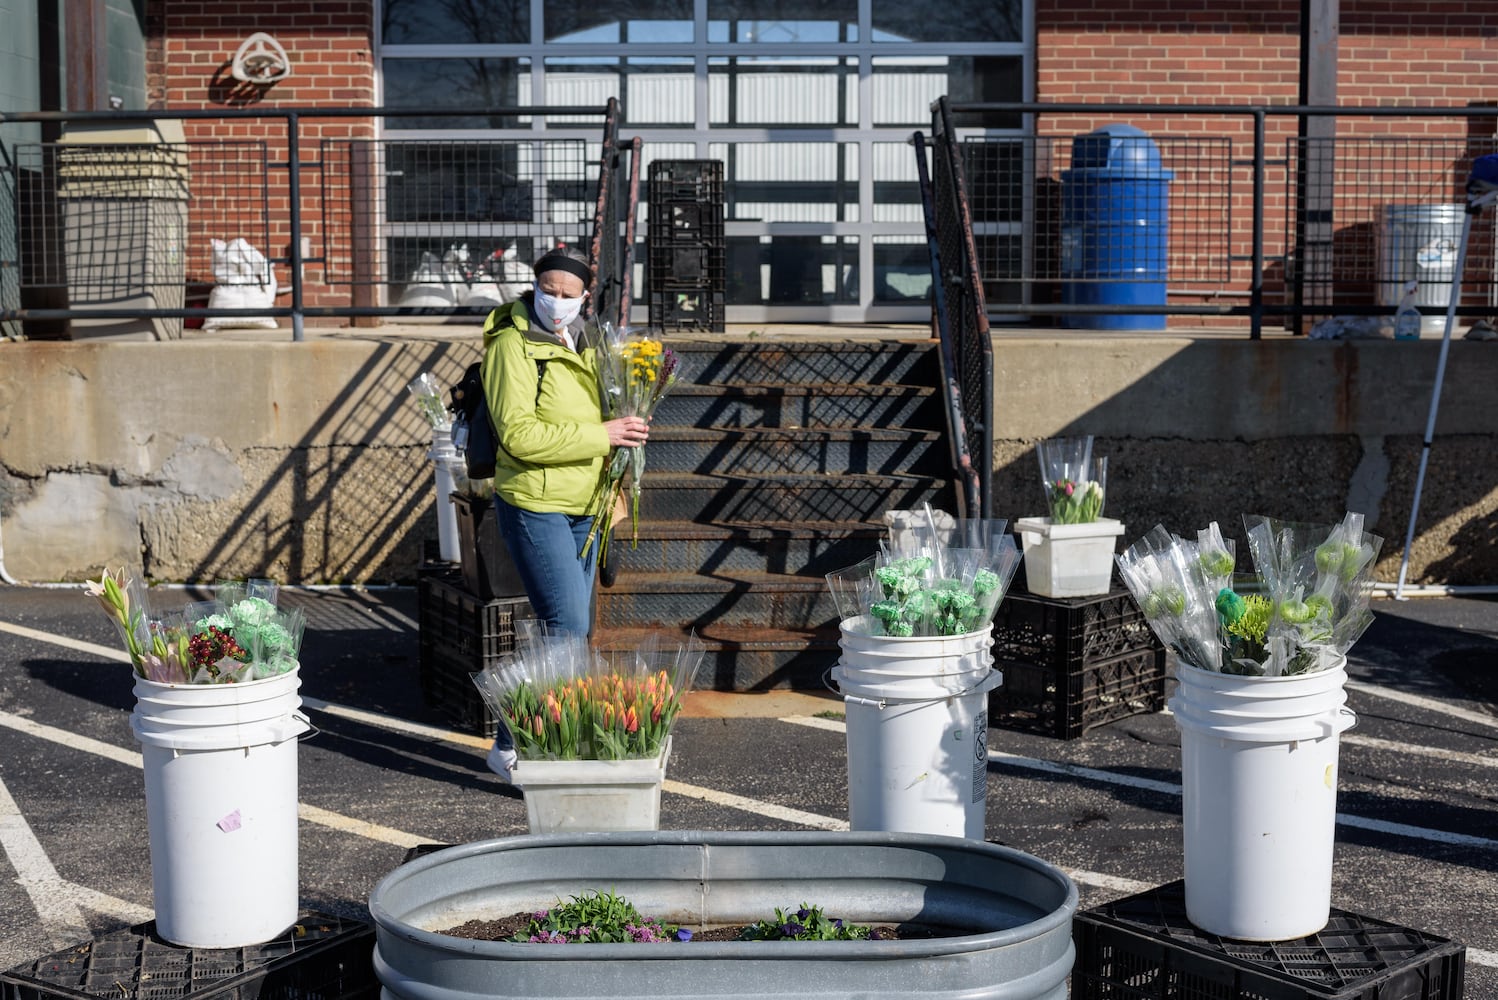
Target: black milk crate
(320, 957)
(461, 635)
(470, 628)
(686, 181)
(686, 223)
(1073, 664)
(687, 266)
(1144, 948)
(432, 561)
(697, 308)
(447, 686)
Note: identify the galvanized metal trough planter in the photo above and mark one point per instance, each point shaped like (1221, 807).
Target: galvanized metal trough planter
(1016, 911)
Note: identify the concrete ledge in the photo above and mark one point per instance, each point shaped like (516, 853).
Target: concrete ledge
(240, 454)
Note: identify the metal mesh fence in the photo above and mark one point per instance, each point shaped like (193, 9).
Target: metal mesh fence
(1397, 207)
(444, 221)
(10, 286)
(107, 221)
(1116, 218)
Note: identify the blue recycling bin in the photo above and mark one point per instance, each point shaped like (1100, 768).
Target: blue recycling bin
(1114, 228)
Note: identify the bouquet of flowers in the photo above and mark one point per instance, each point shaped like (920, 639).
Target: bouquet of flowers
(1074, 481)
(561, 699)
(428, 395)
(635, 371)
(1308, 604)
(944, 578)
(239, 636)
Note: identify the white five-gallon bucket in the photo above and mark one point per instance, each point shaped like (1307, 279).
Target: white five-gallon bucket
(221, 803)
(917, 725)
(445, 458)
(1259, 799)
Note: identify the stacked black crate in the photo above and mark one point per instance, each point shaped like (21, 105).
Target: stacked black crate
(686, 247)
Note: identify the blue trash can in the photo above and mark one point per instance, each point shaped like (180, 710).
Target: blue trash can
(1114, 228)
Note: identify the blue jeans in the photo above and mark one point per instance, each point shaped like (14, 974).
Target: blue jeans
(545, 547)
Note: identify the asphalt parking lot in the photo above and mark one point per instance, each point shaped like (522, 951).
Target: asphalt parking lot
(1417, 840)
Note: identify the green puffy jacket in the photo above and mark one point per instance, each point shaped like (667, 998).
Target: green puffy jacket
(551, 447)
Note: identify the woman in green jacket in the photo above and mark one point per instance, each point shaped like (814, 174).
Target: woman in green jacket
(541, 380)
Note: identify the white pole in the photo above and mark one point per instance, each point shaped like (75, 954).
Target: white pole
(1474, 206)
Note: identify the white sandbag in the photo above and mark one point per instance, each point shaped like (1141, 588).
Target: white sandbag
(428, 287)
(514, 275)
(244, 279)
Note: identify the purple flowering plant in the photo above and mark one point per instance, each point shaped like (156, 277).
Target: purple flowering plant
(597, 918)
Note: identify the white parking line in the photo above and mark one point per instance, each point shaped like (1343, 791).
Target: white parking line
(93, 649)
(1429, 704)
(1391, 746)
(397, 725)
(60, 916)
(766, 809)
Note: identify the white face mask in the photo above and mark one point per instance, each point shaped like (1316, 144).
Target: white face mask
(558, 312)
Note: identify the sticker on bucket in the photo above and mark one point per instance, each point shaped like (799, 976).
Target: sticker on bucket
(980, 757)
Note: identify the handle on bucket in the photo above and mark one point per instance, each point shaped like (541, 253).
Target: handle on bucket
(310, 731)
(993, 679)
(878, 703)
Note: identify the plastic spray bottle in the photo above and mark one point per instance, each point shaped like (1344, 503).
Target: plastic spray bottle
(1407, 316)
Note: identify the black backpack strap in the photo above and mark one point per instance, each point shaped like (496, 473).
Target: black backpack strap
(540, 374)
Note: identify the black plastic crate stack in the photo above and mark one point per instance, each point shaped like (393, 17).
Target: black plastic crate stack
(320, 957)
(1072, 664)
(1144, 948)
(461, 634)
(686, 245)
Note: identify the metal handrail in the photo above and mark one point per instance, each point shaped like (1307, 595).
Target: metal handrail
(293, 117)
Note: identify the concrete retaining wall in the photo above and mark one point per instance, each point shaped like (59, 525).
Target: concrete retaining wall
(206, 459)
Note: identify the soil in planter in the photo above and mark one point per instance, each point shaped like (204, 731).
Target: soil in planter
(507, 927)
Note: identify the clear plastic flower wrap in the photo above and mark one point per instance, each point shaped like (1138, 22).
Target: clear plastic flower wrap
(1316, 578)
(169, 660)
(240, 635)
(1308, 604)
(1162, 571)
(855, 588)
(922, 584)
(559, 699)
(1075, 482)
(427, 392)
(123, 600)
(275, 645)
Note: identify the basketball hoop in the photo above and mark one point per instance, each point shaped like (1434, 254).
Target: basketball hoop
(260, 59)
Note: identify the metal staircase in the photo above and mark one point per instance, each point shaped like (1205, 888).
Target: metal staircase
(770, 464)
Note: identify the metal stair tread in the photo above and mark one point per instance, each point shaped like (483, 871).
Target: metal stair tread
(703, 480)
(771, 389)
(729, 529)
(734, 636)
(714, 582)
(682, 433)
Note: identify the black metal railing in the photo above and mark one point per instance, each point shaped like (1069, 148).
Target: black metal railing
(1360, 216)
(392, 227)
(960, 314)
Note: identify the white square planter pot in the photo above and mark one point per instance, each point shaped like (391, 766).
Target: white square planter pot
(576, 796)
(1068, 560)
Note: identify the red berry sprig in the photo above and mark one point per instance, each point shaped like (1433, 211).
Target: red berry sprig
(208, 648)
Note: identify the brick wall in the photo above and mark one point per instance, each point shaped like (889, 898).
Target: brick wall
(330, 46)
